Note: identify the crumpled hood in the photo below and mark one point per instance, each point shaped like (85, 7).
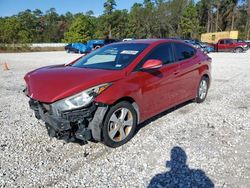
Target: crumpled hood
(49, 84)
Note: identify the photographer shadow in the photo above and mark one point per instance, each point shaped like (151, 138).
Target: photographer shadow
(180, 175)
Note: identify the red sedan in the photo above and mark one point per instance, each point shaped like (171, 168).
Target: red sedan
(105, 94)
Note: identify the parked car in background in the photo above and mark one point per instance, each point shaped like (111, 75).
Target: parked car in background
(127, 39)
(200, 45)
(207, 47)
(76, 47)
(175, 38)
(85, 48)
(246, 41)
(193, 44)
(230, 45)
(104, 95)
(95, 44)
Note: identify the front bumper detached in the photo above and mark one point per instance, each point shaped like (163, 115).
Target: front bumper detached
(82, 124)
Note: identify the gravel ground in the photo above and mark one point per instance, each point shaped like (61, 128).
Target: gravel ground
(208, 143)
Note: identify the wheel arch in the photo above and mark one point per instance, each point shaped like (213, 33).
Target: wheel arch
(133, 103)
(238, 47)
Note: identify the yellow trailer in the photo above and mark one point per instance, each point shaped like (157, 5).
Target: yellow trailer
(214, 37)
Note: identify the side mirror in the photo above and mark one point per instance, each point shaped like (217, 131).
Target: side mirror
(152, 64)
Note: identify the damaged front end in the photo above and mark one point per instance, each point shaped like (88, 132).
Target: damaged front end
(81, 124)
(74, 118)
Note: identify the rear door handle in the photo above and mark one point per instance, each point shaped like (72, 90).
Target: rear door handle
(176, 72)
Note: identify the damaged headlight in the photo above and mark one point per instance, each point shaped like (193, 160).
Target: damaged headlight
(81, 99)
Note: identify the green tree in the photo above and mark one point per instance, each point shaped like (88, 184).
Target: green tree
(148, 17)
(189, 22)
(135, 24)
(120, 23)
(11, 28)
(28, 26)
(152, 18)
(109, 7)
(24, 37)
(51, 26)
(162, 17)
(89, 13)
(142, 20)
(247, 26)
(81, 30)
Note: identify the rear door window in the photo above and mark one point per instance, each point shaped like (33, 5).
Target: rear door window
(229, 41)
(183, 51)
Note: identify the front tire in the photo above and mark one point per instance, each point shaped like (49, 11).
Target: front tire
(202, 90)
(119, 124)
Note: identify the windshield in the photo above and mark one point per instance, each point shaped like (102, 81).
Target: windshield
(112, 57)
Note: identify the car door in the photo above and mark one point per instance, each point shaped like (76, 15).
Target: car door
(222, 46)
(157, 87)
(231, 45)
(188, 71)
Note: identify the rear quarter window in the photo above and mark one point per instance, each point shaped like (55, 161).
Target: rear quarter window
(183, 51)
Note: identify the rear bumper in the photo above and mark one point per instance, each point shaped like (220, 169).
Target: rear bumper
(81, 124)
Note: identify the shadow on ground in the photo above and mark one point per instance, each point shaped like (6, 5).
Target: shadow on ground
(180, 175)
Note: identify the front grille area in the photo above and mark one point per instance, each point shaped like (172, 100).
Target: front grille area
(76, 115)
(72, 115)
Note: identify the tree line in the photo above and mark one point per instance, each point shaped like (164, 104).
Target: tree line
(150, 19)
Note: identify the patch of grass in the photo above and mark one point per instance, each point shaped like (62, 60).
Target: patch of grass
(7, 48)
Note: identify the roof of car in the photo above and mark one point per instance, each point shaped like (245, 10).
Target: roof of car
(226, 39)
(149, 41)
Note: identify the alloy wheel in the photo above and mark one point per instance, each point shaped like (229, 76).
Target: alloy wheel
(120, 124)
(203, 89)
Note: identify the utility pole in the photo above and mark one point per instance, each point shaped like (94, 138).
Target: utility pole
(248, 20)
(233, 17)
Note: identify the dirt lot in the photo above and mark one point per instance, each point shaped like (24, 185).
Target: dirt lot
(214, 137)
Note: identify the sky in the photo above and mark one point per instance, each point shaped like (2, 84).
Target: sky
(11, 7)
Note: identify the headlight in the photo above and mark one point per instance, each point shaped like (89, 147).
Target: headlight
(81, 99)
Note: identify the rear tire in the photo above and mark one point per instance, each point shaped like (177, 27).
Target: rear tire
(119, 124)
(238, 50)
(202, 90)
